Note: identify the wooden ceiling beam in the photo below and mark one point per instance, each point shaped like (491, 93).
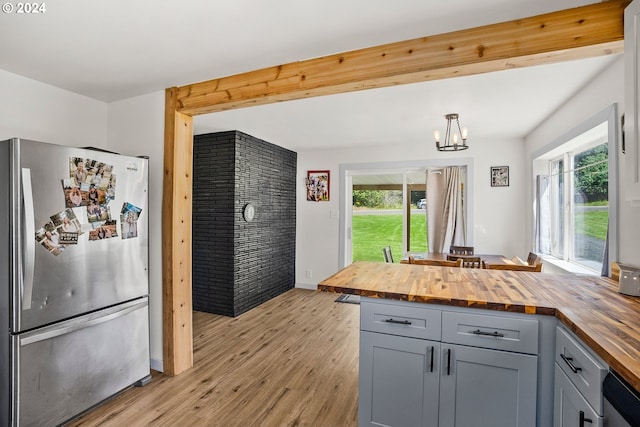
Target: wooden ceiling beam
(587, 31)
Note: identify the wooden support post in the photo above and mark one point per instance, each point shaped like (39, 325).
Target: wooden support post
(176, 238)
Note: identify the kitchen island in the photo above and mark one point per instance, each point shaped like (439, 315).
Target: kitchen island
(590, 307)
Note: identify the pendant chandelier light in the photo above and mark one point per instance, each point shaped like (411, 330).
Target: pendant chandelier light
(453, 140)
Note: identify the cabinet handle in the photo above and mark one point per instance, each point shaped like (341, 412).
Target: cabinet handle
(568, 361)
(488, 334)
(398, 322)
(431, 362)
(584, 420)
(448, 361)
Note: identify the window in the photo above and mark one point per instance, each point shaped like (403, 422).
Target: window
(575, 215)
(580, 206)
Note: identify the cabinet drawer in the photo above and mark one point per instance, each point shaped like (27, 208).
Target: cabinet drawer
(399, 319)
(489, 331)
(584, 370)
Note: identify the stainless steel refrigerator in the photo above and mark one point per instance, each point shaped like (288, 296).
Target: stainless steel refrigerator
(73, 279)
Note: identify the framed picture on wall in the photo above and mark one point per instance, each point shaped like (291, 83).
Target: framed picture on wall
(499, 176)
(317, 186)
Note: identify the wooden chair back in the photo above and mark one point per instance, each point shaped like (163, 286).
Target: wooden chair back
(467, 261)
(436, 262)
(516, 267)
(461, 250)
(532, 259)
(386, 252)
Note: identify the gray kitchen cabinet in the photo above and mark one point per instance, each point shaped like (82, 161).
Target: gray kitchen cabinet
(421, 365)
(497, 387)
(399, 381)
(571, 408)
(399, 364)
(579, 375)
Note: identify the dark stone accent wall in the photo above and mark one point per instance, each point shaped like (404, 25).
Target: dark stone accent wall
(238, 265)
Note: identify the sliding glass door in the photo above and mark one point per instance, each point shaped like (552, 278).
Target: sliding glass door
(384, 204)
(387, 209)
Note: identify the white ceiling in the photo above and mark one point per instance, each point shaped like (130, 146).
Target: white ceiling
(116, 49)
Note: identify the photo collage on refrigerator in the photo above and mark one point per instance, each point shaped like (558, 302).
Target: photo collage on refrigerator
(87, 191)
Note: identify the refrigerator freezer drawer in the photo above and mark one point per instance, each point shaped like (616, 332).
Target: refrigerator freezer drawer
(64, 369)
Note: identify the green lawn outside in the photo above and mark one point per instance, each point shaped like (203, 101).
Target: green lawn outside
(592, 224)
(373, 232)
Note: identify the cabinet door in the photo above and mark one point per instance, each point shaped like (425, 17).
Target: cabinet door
(632, 93)
(570, 408)
(399, 381)
(487, 387)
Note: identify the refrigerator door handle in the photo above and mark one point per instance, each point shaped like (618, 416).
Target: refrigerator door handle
(83, 322)
(29, 240)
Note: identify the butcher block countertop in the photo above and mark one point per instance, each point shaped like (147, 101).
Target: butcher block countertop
(591, 307)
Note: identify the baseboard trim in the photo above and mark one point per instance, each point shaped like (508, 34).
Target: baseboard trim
(157, 365)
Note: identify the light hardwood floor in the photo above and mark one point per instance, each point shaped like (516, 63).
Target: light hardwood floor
(293, 361)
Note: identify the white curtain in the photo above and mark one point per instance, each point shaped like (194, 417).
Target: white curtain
(543, 215)
(605, 256)
(446, 221)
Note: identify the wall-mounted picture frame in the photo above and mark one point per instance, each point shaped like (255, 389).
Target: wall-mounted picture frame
(318, 183)
(499, 176)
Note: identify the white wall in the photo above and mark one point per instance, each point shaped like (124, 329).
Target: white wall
(136, 127)
(606, 89)
(34, 110)
(498, 211)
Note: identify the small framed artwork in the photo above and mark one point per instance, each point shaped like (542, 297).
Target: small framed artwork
(317, 183)
(499, 176)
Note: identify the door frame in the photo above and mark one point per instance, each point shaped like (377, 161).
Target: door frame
(581, 32)
(346, 198)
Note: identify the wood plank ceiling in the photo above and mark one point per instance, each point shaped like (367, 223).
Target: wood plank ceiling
(577, 33)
